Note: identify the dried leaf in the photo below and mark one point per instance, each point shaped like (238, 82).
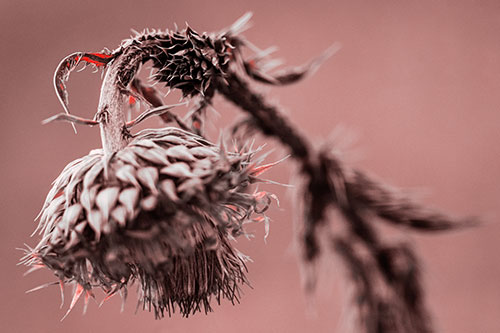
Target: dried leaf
(167, 186)
(127, 174)
(156, 156)
(190, 187)
(119, 214)
(149, 177)
(87, 197)
(128, 198)
(202, 152)
(92, 174)
(106, 201)
(174, 140)
(70, 217)
(181, 153)
(149, 203)
(95, 221)
(128, 157)
(178, 170)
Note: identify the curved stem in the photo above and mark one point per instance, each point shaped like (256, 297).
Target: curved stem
(110, 112)
(112, 102)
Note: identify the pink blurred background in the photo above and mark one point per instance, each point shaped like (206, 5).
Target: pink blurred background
(417, 82)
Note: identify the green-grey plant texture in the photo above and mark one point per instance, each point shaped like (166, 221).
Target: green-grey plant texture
(160, 207)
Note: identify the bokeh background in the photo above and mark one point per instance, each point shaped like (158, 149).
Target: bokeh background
(416, 82)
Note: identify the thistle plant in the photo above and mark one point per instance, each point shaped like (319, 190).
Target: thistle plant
(160, 206)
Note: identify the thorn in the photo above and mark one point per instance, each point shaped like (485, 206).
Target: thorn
(42, 287)
(123, 294)
(76, 296)
(135, 32)
(257, 171)
(33, 269)
(61, 287)
(108, 296)
(88, 294)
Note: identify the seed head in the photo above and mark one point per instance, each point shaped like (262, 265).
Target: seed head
(161, 212)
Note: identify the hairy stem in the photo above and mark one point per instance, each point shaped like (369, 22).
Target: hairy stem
(112, 102)
(111, 112)
(267, 118)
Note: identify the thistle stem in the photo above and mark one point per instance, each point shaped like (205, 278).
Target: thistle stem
(112, 102)
(267, 118)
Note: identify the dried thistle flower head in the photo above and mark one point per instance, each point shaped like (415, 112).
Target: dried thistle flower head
(160, 211)
(159, 207)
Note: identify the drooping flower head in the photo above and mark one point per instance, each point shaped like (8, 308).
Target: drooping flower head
(161, 212)
(159, 207)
